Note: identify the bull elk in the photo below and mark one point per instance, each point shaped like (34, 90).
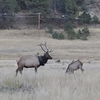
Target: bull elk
(30, 61)
(74, 65)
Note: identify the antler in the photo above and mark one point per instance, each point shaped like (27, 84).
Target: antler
(42, 47)
(45, 47)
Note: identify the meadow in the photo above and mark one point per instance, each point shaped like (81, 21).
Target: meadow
(51, 82)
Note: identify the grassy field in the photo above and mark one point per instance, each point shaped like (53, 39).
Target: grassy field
(15, 43)
(51, 82)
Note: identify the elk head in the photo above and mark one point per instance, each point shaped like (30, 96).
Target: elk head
(46, 52)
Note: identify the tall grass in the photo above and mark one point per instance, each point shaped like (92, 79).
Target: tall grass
(49, 84)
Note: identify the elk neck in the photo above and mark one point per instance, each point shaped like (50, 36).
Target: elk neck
(43, 60)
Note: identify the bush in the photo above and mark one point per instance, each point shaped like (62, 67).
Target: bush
(61, 36)
(95, 20)
(84, 37)
(85, 30)
(68, 26)
(50, 29)
(82, 34)
(71, 34)
(57, 35)
(79, 34)
(84, 18)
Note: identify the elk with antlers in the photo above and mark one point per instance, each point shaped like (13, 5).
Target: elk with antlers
(30, 61)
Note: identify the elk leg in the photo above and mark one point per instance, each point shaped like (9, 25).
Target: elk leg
(81, 68)
(17, 71)
(36, 69)
(72, 72)
(21, 69)
(67, 70)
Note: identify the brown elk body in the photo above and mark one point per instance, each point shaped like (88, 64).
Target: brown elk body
(74, 65)
(30, 61)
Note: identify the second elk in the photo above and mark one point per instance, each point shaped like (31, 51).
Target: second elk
(74, 65)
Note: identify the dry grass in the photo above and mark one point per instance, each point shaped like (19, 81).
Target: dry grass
(15, 43)
(49, 84)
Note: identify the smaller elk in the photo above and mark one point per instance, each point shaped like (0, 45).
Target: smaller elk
(74, 65)
(30, 61)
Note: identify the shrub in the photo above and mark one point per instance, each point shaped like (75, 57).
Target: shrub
(79, 34)
(50, 29)
(84, 18)
(95, 20)
(61, 36)
(71, 34)
(85, 30)
(68, 26)
(57, 35)
(83, 34)
(84, 37)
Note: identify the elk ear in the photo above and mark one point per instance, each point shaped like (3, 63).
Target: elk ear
(80, 61)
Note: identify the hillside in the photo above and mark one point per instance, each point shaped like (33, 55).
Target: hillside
(25, 22)
(93, 7)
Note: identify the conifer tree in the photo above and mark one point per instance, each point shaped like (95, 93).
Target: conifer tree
(38, 6)
(71, 9)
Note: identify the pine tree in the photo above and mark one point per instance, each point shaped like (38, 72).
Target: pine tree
(7, 10)
(38, 6)
(85, 18)
(71, 9)
(8, 6)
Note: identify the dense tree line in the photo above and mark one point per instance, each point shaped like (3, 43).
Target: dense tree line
(67, 7)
